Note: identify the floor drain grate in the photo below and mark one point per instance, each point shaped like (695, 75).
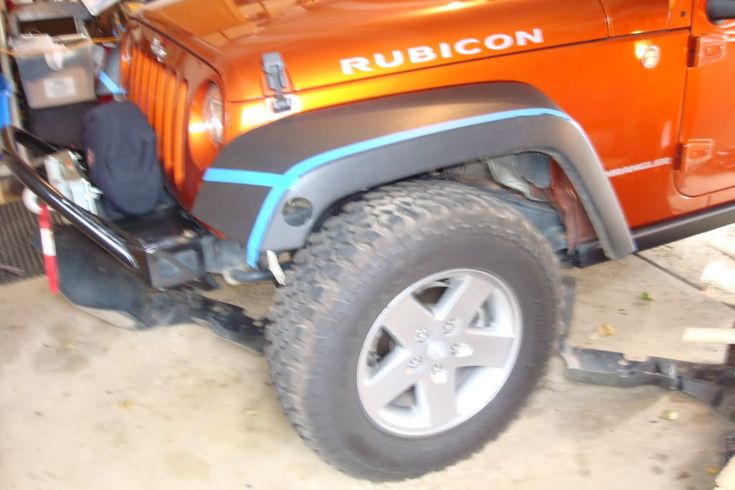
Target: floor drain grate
(19, 259)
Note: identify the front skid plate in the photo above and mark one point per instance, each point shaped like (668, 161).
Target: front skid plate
(96, 282)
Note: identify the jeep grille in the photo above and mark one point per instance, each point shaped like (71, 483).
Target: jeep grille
(161, 95)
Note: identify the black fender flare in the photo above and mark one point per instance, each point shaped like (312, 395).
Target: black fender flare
(327, 155)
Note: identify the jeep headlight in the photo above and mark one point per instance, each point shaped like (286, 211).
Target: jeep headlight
(213, 113)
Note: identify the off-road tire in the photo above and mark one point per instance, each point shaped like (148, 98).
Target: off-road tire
(350, 270)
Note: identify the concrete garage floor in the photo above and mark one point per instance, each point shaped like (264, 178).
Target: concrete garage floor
(84, 405)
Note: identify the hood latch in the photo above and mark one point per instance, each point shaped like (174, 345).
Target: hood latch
(275, 73)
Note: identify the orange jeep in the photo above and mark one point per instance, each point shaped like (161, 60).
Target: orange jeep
(412, 174)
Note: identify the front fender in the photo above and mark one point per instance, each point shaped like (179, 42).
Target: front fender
(327, 155)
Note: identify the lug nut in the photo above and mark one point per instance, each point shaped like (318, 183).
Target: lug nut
(439, 374)
(421, 335)
(462, 350)
(414, 363)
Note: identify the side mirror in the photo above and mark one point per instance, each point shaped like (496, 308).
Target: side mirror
(721, 10)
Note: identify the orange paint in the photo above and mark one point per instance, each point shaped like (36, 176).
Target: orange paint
(586, 55)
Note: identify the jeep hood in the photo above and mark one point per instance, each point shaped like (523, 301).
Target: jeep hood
(336, 41)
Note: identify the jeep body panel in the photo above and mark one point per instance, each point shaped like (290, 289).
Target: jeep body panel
(591, 68)
(630, 17)
(708, 128)
(314, 38)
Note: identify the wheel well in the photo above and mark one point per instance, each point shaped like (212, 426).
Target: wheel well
(536, 186)
(532, 183)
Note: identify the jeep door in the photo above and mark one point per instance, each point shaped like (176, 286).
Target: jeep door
(707, 160)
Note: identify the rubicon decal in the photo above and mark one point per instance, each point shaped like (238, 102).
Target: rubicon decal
(425, 54)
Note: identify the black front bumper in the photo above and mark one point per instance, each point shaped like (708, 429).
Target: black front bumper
(165, 248)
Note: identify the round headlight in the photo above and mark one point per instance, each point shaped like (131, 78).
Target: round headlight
(213, 114)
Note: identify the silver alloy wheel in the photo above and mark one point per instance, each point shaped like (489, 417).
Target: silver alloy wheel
(439, 352)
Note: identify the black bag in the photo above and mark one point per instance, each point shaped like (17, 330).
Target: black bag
(122, 159)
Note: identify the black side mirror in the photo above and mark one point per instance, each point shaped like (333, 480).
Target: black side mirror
(721, 9)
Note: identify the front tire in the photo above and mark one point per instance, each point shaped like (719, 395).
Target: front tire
(412, 328)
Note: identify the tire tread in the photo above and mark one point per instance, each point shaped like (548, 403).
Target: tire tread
(350, 243)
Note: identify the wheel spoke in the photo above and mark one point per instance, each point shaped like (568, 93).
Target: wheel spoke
(463, 299)
(437, 401)
(405, 317)
(486, 349)
(392, 379)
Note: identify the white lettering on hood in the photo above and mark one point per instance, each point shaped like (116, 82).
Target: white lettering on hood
(424, 54)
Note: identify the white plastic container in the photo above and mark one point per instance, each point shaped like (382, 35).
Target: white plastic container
(64, 174)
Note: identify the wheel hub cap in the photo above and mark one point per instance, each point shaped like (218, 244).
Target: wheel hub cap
(439, 352)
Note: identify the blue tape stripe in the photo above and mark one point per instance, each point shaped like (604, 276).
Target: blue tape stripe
(280, 184)
(113, 87)
(6, 118)
(244, 177)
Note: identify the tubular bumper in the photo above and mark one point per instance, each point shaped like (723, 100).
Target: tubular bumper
(114, 241)
(164, 248)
